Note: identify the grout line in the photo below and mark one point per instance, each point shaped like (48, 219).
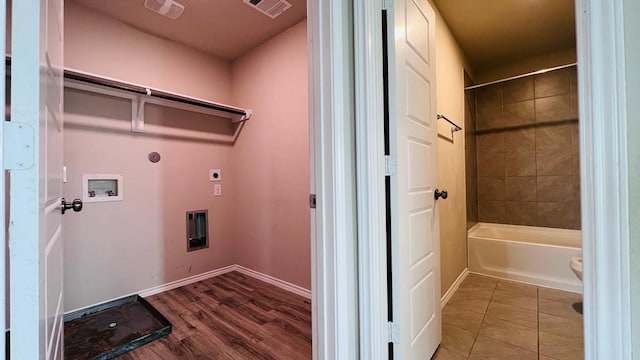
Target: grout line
(483, 317)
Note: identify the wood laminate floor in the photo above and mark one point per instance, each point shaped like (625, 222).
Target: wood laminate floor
(231, 316)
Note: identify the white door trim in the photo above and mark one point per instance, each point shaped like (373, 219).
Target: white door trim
(334, 261)
(603, 149)
(3, 239)
(600, 30)
(370, 161)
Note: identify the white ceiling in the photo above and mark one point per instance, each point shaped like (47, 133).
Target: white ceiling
(224, 28)
(493, 33)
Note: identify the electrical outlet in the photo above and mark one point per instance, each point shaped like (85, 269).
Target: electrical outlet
(217, 190)
(215, 175)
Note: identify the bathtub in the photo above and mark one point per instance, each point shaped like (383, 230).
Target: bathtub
(533, 255)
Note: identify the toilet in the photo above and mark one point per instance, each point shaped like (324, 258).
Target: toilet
(576, 266)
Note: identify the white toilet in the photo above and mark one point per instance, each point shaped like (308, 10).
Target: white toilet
(576, 266)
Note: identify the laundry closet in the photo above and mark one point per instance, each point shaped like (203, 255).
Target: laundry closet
(200, 191)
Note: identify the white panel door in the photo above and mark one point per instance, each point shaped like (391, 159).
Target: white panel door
(35, 231)
(413, 134)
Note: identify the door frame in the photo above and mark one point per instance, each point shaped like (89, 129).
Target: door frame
(603, 145)
(372, 247)
(332, 143)
(3, 185)
(605, 194)
(334, 237)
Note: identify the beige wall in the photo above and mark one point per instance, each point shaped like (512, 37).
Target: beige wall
(271, 158)
(450, 64)
(262, 219)
(632, 49)
(547, 61)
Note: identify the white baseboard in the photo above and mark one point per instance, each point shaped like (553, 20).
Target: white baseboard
(456, 284)
(186, 281)
(306, 293)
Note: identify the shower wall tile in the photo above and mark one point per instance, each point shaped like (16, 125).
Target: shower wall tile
(471, 151)
(520, 188)
(573, 100)
(576, 188)
(472, 199)
(558, 215)
(492, 211)
(553, 136)
(520, 163)
(518, 113)
(490, 143)
(491, 188)
(471, 165)
(490, 120)
(489, 95)
(489, 108)
(555, 109)
(522, 213)
(575, 162)
(520, 140)
(491, 164)
(553, 162)
(575, 135)
(518, 90)
(552, 83)
(527, 151)
(556, 189)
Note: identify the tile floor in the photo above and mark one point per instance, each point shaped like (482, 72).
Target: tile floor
(494, 319)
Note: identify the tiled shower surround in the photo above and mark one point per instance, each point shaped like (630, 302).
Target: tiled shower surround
(527, 151)
(471, 164)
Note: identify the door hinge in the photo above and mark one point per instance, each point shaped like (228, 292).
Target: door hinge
(390, 165)
(394, 332)
(18, 146)
(312, 201)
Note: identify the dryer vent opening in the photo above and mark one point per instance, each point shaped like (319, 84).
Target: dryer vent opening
(197, 232)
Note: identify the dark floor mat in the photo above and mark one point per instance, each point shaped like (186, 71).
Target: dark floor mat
(109, 330)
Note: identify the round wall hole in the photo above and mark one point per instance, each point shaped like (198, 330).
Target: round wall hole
(113, 324)
(154, 157)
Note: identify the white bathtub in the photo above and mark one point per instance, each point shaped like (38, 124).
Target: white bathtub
(534, 255)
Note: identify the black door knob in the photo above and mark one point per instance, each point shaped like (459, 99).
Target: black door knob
(75, 205)
(440, 194)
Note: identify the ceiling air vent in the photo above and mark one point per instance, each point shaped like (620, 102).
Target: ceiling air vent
(168, 8)
(271, 8)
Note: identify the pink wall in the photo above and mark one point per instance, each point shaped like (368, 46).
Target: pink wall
(262, 219)
(114, 249)
(98, 44)
(271, 159)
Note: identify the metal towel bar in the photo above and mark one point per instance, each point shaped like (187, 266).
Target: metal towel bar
(455, 126)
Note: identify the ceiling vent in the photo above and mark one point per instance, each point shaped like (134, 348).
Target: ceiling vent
(271, 8)
(168, 8)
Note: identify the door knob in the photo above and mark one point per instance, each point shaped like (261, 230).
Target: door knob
(440, 194)
(75, 205)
